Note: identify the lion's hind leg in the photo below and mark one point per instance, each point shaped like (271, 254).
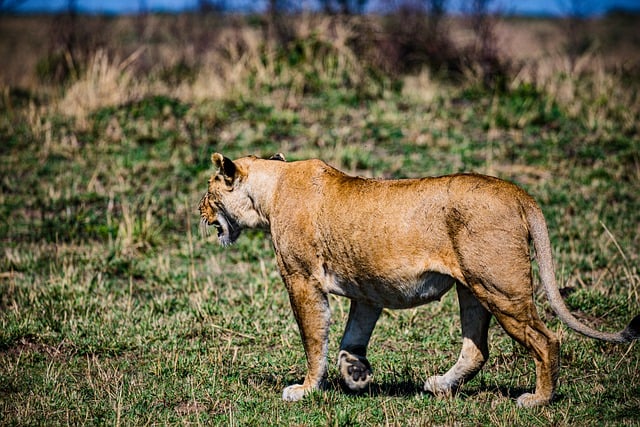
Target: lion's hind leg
(545, 349)
(355, 369)
(475, 325)
(517, 314)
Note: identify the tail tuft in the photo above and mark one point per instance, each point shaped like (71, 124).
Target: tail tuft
(632, 331)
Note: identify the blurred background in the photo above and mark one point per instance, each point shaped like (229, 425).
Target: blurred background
(51, 42)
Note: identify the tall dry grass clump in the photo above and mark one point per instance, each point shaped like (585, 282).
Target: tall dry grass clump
(316, 56)
(106, 82)
(585, 88)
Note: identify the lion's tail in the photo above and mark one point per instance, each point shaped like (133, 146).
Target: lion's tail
(540, 236)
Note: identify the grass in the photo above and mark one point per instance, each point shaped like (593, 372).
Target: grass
(114, 310)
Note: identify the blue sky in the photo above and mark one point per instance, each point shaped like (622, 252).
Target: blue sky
(546, 7)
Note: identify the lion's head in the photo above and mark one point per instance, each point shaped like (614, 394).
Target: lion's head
(226, 205)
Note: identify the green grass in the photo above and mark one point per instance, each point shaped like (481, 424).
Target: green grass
(114, 310)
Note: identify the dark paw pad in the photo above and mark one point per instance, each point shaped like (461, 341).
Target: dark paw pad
(355, 371)
(358, 369)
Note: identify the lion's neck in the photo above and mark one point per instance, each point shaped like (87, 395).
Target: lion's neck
(260, 187)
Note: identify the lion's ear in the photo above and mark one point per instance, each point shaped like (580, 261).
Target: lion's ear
(278, 156)
(225, 167)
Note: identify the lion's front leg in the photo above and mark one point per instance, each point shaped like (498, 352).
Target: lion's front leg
(311, 309)
(353, 365)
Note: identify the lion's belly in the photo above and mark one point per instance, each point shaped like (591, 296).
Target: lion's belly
(392, 294)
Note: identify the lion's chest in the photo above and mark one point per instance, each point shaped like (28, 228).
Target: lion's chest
(386, 292)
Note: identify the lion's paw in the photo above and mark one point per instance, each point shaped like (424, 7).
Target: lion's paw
(438, 386)
(355, 371)
(295, 392)
(530, 400)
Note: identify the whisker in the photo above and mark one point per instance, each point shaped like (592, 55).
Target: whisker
(204, 228)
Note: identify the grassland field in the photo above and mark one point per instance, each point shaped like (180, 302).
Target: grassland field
(115, 310)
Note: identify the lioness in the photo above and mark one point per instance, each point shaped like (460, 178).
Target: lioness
(398, 244)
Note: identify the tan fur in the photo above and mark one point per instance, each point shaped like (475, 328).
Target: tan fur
(397, 244)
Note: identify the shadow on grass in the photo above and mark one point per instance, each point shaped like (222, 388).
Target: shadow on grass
(391, 389)
(406, 388)
(409, 388)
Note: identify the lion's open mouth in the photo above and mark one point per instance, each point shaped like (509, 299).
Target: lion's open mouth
(227, 229)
